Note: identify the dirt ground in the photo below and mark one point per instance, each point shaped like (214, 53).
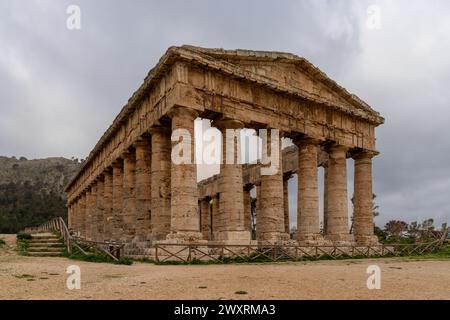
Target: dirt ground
(45, 278)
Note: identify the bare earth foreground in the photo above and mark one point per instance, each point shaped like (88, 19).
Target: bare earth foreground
(45, 278)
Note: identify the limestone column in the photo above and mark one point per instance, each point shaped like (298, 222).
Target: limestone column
(363, 224)
(160, 181)
(308, 223)
(231, 187)
(117, 200)
(88, 215)
(337, 207)
(286, 178)
(216, 221)
(99, 227)
(82, 219)
(185, 220)
(108, 205)
(93, 212)
(325, 199)
(248, 208)
(270, 221)
(129, 199)
(143, 188)
(70, 215)
(258, 204)
(205, 218)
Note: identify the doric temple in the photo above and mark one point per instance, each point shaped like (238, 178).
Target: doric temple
(128, 189)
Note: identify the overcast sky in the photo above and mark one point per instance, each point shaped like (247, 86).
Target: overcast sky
(60, 89)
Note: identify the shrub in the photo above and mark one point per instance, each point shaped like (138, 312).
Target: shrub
(24, 236)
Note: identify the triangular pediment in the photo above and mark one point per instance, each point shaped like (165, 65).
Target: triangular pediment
(291, 72)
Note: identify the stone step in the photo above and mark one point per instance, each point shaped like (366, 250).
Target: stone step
(50, 244)
(45, 241)
(44, 254)
(36, 249)
(45, 238)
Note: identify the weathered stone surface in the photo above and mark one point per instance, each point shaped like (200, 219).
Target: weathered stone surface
(362, 201)
(117, 197)
(205, 218)
(143, 188)
(230, 186)
(185, 220)
(98, 224)
(270, 223)
(337, 205)
(286, 203)
(148, 197)
(108, 205)
(308, 228)
(129, 198)
(160, 177)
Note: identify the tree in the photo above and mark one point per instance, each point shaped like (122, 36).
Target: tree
(396, 227)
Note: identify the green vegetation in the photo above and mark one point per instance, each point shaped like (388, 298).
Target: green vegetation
(24, 236)
(2, 243)
(240, 292)
(32, 191)
(22, 246)
(97, 256)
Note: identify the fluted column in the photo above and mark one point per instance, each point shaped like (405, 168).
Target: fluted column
(216, 225)
(70, 213)
(363, 224)
(205, 218)
(93, 217)
(185, 220)
(99, 212)
(270, 221)
(231, 184)
(143, 188)
(247, 209)
(129, 199)
(308, 223)
(160, 181)
(337, 207)
(325, 199)
(286, 178)
(108, 205)
(82, 218)
(117, 198)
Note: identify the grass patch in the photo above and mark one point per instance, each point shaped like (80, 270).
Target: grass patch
(440, 254)
(24, 276)
(24, 236)
(2, 243)
(97, 257)
(241, 292)
(22, 246)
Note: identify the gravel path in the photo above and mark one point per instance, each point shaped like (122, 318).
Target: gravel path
(45, 278)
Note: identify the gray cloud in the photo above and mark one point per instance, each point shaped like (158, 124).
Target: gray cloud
(60, 89)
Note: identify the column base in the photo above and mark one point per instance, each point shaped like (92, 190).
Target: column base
(274, 237)
(185, 237)
(343, 239)
(371, 240)
(313, 240)
(238, 236)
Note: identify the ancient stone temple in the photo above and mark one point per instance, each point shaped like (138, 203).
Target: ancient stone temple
(129, 189)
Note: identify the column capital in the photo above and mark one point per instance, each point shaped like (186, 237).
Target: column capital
(363, 154)
(226, 123)
(118, 163)
(159, 129)
(129, 155)
(183, 112)
(305, 140)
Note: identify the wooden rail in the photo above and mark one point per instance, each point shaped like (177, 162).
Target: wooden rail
(273, 252)
(111, 248)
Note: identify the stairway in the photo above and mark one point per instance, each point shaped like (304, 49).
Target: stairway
(45, 245)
